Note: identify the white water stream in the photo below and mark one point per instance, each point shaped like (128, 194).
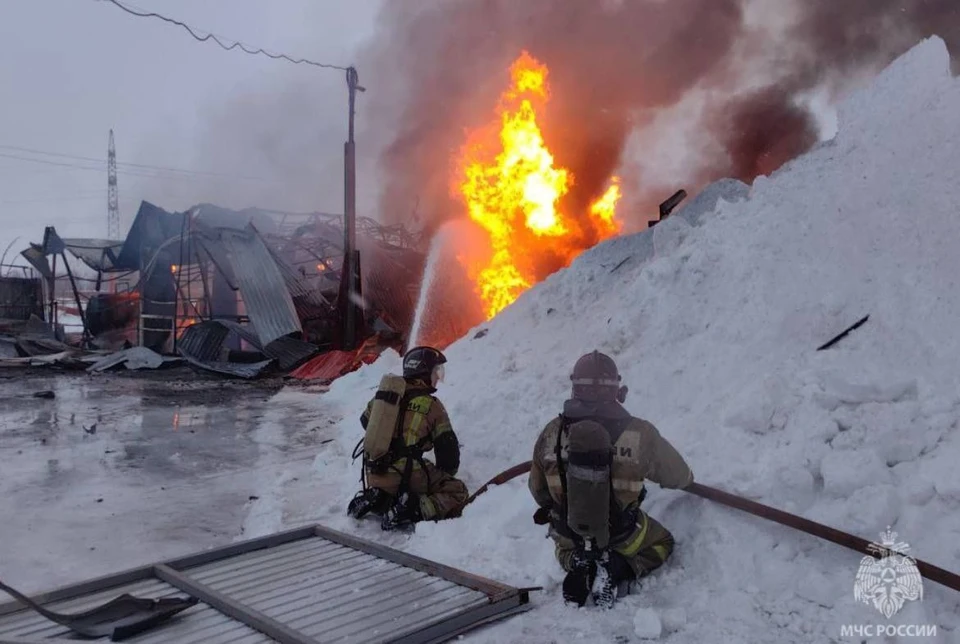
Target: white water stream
(429, 276)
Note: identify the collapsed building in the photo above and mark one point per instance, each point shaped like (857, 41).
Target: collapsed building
(235, 292)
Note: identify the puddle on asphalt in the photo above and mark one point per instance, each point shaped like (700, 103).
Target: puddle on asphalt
(175, 428)
(134, 470)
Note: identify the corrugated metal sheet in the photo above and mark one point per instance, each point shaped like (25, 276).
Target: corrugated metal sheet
(150, 229)
(133, 358)
(200, 624)
(308, 301)
(212, 216)
(289, 352)
(327, 366)
(262, 286)
(200, 346)
(217, 254)
(98, 254)
(35, 255)
(333, 364)
(247, 370)
(307, 585)
(203, 342)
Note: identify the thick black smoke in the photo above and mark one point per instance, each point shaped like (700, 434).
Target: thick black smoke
(438, 68)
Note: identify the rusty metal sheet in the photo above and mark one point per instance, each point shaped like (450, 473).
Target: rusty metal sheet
(333, 364)
(327, 366)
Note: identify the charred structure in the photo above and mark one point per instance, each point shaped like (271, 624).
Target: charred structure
(230, 291)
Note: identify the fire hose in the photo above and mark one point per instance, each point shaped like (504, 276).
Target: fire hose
(928, 571)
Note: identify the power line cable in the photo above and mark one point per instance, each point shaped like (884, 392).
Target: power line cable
(145, 166)
(89, 168)
(63, 198)
(236, 44)
(132, 173)
(47, 162)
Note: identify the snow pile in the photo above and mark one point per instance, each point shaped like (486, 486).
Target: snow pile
(714, 317)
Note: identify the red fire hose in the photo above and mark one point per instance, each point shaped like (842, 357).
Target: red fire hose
(499, 479)
(929, 571)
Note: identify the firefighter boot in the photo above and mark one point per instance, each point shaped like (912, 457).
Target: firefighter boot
(613, 579)
(578, 583)
(403, 515)
(373, 499)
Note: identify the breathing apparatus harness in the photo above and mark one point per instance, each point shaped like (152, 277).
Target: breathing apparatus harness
(622, 520)
(398, 448)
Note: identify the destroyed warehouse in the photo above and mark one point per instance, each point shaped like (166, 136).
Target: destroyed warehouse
(235, 292)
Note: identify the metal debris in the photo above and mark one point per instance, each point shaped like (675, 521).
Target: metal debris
(133, 358)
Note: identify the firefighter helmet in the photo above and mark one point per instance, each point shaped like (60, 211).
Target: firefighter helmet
(595, 378)
(420, 362)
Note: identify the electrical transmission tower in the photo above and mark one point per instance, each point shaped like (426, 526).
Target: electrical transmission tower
(113, 207)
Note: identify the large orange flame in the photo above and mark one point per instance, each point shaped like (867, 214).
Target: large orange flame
(512, 188)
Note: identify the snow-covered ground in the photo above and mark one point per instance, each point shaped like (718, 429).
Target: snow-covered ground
(714, 317)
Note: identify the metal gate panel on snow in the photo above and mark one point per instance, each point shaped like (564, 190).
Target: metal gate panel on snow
(311, 584)
(201, 623)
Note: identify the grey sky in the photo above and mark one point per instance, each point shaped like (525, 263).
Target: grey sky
(73, 69)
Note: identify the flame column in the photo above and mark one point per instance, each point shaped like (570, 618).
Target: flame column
(351, 263)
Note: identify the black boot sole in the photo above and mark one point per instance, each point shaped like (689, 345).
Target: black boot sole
(577, 586)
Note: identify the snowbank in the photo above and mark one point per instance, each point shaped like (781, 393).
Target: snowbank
(714, 317)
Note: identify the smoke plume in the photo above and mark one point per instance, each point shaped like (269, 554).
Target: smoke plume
(614, 64)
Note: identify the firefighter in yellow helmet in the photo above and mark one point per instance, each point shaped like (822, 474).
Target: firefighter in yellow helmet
(588, 473)
(403, 422)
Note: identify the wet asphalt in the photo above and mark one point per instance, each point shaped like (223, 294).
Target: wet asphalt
(102, 472)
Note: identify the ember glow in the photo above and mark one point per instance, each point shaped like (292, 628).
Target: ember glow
(513, 189)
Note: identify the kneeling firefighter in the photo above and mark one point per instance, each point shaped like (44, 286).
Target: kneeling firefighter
(587, 475)
(402, 422)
